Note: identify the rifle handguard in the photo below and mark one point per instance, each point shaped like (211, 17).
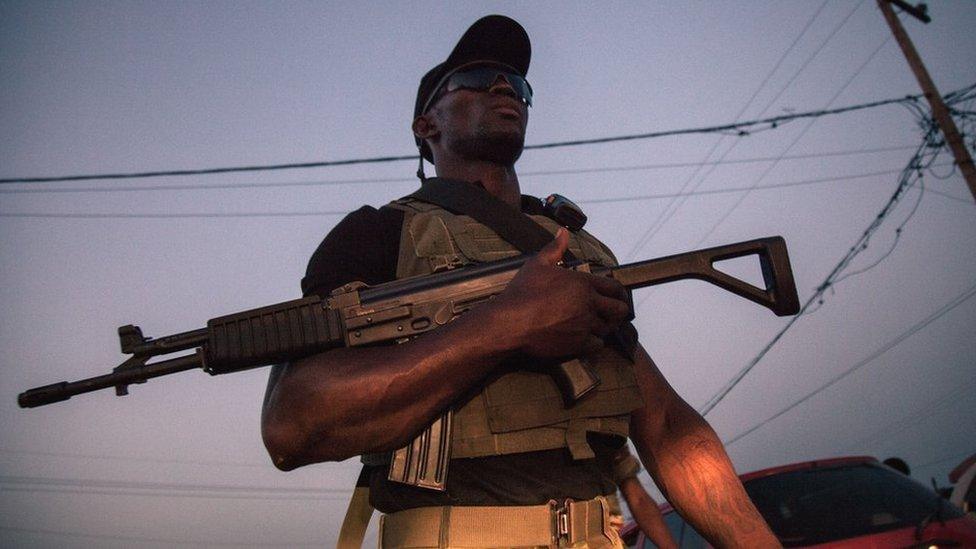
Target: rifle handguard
(270, 335)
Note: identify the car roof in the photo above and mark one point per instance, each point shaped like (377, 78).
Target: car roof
(807, 465)
(762, 473)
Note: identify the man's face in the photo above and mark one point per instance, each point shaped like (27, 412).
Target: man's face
(486, 125)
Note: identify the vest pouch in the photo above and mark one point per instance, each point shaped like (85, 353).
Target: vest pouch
(523, 400)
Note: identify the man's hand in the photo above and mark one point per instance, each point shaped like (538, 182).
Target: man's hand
(554, 312)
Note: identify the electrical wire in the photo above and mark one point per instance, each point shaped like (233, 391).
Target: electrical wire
(750, 126)
(728, 190)
(216, 463)
(775, 163)
(894, 243)
(203, 215)
(413, 179)
(669, 212)
(917, 327)
(909, 421)
(635, 198)
(143, 539)
(905, 181)
(164, 489)
(173, 494)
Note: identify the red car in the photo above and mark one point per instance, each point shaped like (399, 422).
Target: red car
(839, 503)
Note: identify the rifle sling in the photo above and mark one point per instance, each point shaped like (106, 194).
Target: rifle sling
(471, 200)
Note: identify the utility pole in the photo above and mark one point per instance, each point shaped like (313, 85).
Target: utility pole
(939, 110)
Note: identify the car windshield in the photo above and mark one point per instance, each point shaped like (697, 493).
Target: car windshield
(825, 504)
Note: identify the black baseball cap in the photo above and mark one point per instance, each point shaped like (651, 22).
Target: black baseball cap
(492, 39)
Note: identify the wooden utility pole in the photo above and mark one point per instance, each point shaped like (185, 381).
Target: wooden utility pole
(939, 110)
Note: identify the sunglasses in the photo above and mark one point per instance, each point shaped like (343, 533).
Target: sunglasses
(482, 79)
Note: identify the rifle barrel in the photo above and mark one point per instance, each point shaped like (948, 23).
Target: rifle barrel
(64, 390)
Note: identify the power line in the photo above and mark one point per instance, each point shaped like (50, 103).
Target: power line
(932, 145)
(741, 128)
(909, 421)
(211, 171)
(204, 215)
(800, 183)
(218, 463)
(792, 144)
(668, 213)
(955, 302)
(142, 539)
(164, 489)
(775, 163)
(905, 181)
(172, 494)
(566, 171)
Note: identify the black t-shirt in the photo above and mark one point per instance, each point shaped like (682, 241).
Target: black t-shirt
(364, 246)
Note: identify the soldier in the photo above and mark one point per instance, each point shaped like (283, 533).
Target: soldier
(523, 471)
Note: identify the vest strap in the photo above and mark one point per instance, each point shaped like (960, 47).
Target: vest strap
(509, 223)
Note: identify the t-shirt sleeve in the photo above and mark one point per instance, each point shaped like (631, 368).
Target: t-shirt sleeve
(363, 247)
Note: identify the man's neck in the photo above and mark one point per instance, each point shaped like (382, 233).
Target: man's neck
(500, 181)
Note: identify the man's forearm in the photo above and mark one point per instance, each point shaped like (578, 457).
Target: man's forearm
(699, 481)
(350, 401)
(689, 464)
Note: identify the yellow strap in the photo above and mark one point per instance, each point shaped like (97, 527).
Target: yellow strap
(353, 530)
(525, 526)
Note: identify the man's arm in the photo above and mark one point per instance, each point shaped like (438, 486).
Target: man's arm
(351, 401)
(646, 512)
(688, 462)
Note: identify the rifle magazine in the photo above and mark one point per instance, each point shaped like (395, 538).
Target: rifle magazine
(423, 462)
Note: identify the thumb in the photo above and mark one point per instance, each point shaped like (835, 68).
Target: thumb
(553, 252)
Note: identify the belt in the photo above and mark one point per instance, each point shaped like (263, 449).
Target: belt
(555, 524)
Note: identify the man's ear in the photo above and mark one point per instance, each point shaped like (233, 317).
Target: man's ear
(425, 127)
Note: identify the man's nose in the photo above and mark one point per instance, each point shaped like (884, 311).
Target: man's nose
(503, 86)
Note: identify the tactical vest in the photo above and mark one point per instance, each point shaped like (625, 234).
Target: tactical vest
(521, 411)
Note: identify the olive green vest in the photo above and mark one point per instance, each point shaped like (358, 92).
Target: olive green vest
(520, 411)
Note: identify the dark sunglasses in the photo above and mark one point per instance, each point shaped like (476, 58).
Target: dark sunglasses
(482, 79)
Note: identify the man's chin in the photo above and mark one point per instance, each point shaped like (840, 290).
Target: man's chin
(501, 148)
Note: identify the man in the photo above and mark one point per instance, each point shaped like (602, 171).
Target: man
(522, 471)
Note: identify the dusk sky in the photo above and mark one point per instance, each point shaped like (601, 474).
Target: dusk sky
(109, 87)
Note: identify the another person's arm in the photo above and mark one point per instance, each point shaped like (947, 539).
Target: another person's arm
(688, 463)
(642, 506)
(351, 401)
(647, 513)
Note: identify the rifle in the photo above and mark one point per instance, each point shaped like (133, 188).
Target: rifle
(357, 314)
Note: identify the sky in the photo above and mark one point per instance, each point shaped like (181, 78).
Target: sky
(109, 87)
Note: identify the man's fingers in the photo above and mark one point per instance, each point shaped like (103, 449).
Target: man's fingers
(593, 345)
(553, 252)
(610, 309)
(609, 287)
